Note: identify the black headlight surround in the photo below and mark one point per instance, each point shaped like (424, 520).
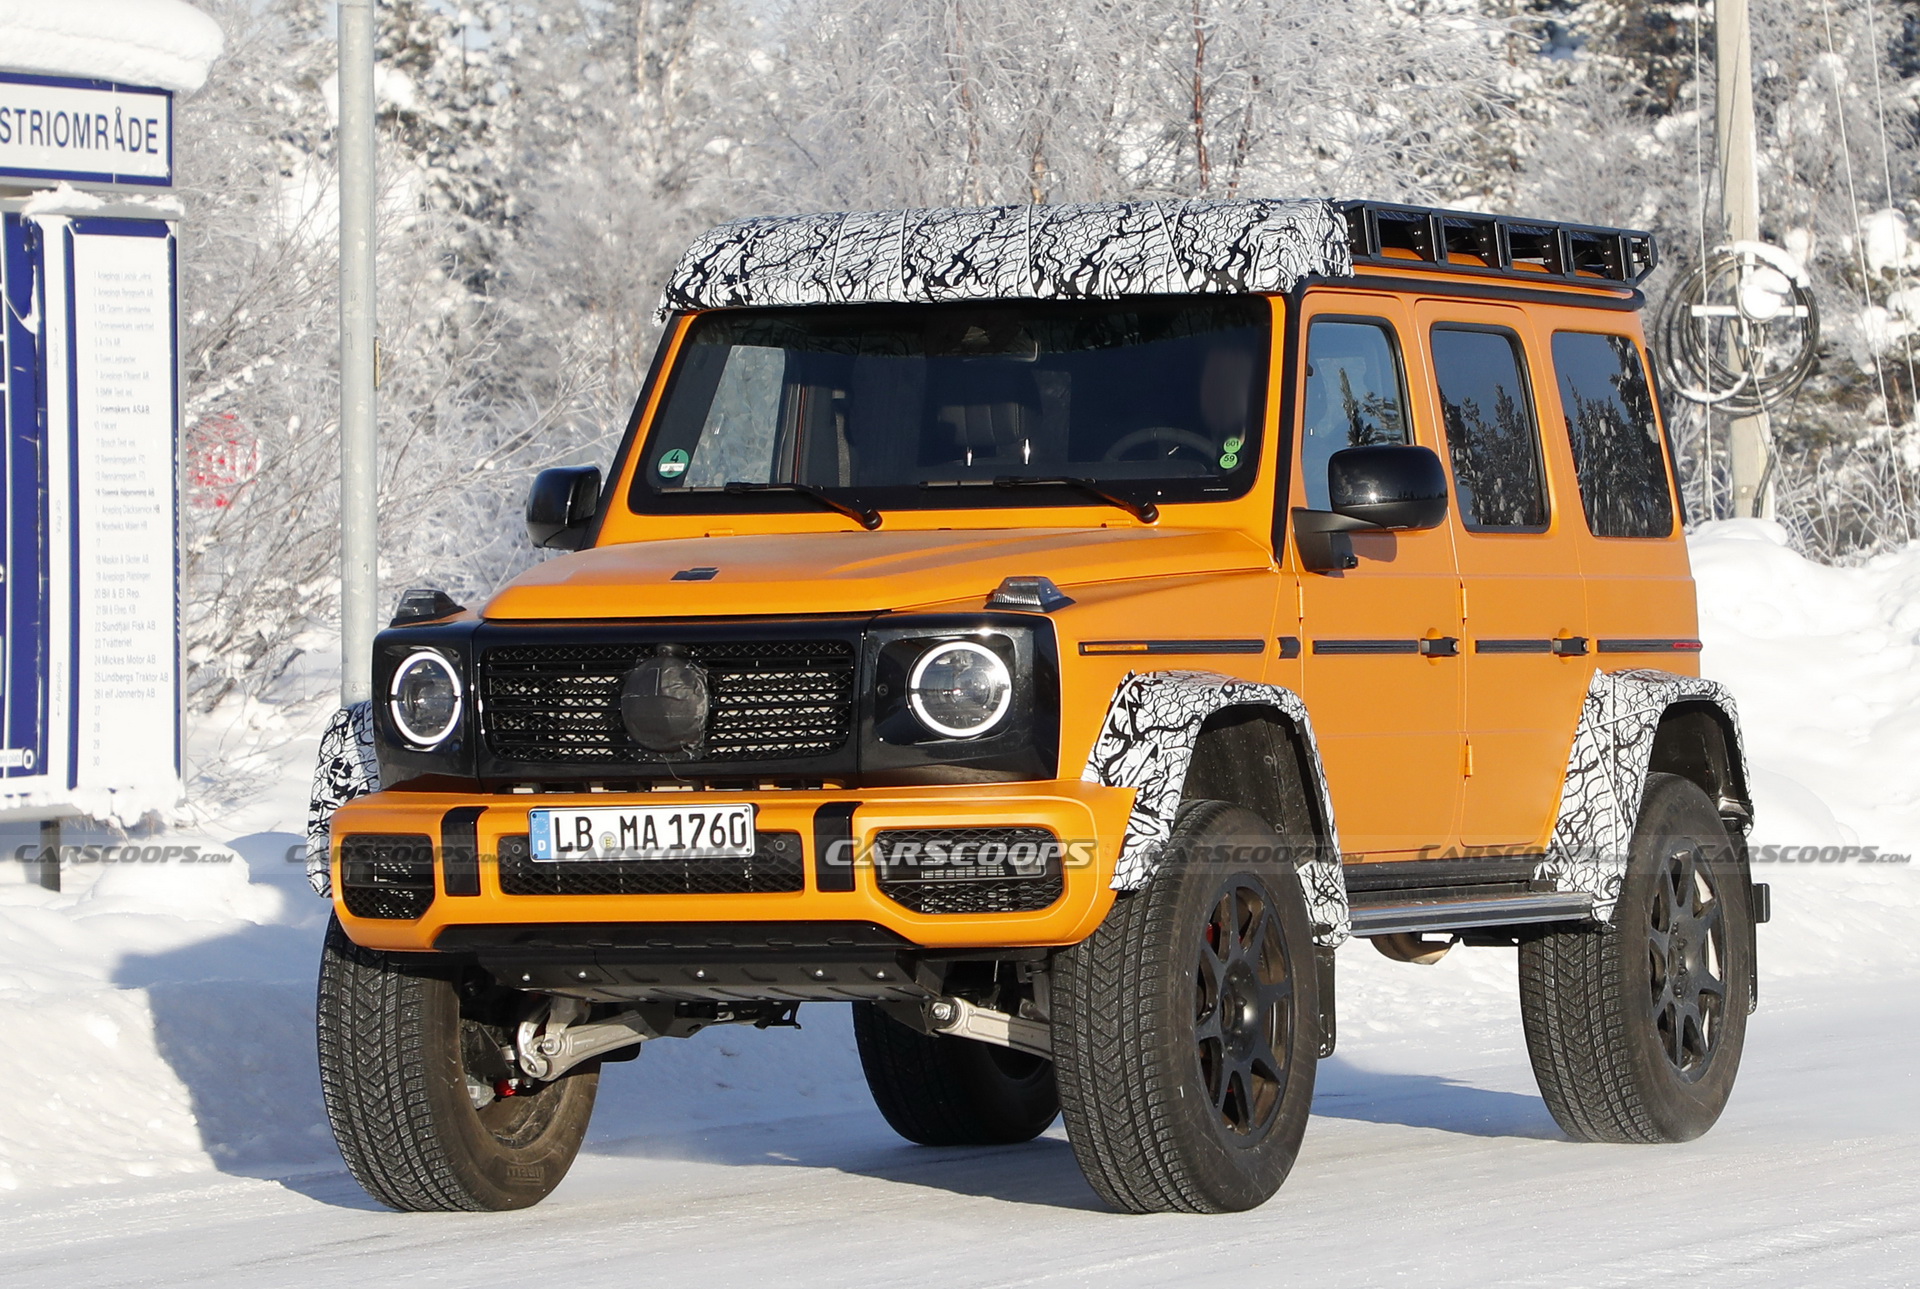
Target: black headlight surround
(448, 764)
(896, 748)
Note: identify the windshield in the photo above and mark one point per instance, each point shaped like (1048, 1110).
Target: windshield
(929, 406)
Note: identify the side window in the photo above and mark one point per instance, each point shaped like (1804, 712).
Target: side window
(1615, 438)
(1492, 438)
(1355, 396)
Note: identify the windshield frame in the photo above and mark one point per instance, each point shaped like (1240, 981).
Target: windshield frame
(645, 499)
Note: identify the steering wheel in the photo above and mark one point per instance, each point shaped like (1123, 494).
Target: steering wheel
(1170, 440)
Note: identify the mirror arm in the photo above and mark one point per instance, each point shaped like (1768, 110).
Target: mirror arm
(1321, 538)
(1329, 521)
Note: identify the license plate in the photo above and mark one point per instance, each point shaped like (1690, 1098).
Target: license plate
(642, 832)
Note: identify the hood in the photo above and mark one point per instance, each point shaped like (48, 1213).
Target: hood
(851, 572)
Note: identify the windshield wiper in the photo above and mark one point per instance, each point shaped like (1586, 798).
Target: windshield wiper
(1145, 511)
(867, 517)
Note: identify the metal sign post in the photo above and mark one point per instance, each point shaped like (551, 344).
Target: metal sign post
(1748, 438)
(359, 443)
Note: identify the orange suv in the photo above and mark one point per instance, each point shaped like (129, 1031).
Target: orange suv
(1055, 630)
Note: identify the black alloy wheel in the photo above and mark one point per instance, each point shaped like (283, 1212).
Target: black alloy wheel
(1243, 1011)
(1687, 962)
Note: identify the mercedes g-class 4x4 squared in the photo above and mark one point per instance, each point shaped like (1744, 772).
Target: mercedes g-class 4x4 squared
(1054, 630)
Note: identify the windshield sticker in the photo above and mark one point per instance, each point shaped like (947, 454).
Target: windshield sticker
(673, 464)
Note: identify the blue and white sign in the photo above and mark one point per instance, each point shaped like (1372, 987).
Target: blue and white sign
(85, 131)
(89, 604)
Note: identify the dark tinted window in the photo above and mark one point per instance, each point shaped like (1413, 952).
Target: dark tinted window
(1354, 396)
(927, 406)
(1491, 435)
(1616, 441)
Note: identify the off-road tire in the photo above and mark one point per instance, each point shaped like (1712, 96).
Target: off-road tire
(1130, 1008)
(1598, 1003)
(394, 1078)
(938, 1090)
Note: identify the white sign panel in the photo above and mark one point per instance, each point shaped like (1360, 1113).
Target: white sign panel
(124, 390)
(89, 131)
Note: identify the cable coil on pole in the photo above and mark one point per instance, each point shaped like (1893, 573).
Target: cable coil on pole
(1741, 332)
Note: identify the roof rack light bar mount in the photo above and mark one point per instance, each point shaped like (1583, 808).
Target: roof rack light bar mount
(1396, 236)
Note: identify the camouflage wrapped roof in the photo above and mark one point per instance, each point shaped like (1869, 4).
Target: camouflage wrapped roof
(1094, 251)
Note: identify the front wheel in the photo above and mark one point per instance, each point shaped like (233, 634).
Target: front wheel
(1635, 1028)
(412, 1072)
(1185, 1029)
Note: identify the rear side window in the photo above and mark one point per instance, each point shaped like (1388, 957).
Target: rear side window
(1355, 396)
(1492, 438)
(1616, 440)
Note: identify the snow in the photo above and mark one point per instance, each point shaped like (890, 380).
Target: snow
(64, 199)
(164, 43)
(161, 1122)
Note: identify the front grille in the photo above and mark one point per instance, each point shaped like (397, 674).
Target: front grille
(386, 875)
(777, 864)
(771, 700)
(969, 870)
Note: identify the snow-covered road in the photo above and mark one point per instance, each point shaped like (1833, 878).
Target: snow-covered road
(1430, 1161)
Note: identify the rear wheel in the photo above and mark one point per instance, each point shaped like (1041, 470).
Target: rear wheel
(1185, 1028)
(1635, 1029)
(938, 1090)
(412, 1073)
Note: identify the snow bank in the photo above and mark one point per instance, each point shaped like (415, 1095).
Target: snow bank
(167, 43)
(158, 1015)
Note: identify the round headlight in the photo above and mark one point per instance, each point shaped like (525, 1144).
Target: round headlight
(960, 689)
(425, 698)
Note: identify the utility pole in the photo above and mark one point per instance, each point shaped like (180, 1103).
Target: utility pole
(1749, 437)
(359, 442)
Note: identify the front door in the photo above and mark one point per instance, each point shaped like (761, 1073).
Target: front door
(1381, 673)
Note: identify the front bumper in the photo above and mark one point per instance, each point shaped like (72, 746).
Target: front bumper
(1074, 811)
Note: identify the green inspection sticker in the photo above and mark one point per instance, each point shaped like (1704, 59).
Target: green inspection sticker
(673, 464)
(1228, 461)
(1232, 446)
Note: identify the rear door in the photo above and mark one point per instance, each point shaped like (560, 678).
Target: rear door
(1380, 668)
(1515, 523)
(1640, 597)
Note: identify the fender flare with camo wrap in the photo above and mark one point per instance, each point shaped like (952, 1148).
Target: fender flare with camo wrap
(347, 769)
(1607, 775)
(1147, 743)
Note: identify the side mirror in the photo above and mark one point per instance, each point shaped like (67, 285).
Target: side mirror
(1386, 487)
(561, 507)
(1389, 485)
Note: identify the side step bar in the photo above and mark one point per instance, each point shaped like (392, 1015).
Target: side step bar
(1464, 914)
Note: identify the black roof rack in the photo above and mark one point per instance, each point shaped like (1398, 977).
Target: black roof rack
(1508, 245)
